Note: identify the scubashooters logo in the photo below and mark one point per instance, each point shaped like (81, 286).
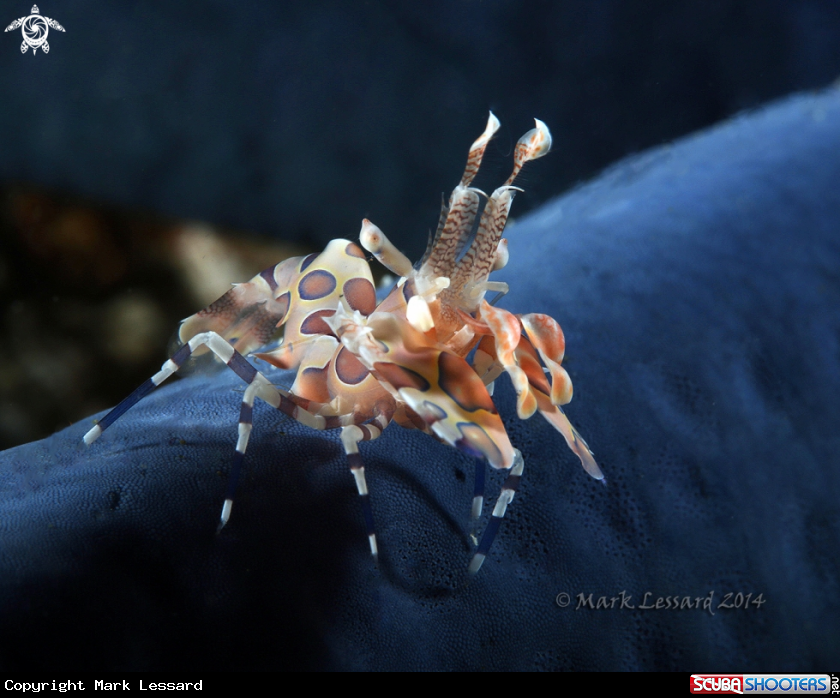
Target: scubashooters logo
(790, 684)
(35, 28)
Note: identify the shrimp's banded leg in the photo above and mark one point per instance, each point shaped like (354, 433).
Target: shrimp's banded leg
(478, 489)
(509, 488)
(221, 347)
(232, 358)
(258, 386)
(351, 435)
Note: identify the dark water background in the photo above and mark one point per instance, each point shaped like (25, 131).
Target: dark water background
(292, 121)
(296, 119)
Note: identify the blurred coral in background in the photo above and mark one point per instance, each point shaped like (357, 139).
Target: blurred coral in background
(92, 297)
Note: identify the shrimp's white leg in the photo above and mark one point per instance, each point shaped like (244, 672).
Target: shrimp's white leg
(258, 386)
(351, 435)
(505, 497)
(478, 489)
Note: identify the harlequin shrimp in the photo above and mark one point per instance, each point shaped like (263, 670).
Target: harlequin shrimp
(362, 365)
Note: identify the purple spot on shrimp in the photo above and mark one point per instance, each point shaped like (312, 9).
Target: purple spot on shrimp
(307, 261)
(433, 412)
(353, 250)
(314, 323)
(268, 275)
(360, 295)
(349, 369)
(282, 306)
(316, 284)
(400, 377)
(311, 384)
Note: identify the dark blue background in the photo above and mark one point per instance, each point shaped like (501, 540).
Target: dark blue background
(298, 119)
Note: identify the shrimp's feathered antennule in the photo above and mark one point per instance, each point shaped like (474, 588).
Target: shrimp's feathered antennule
(362, 365)
(456, 219)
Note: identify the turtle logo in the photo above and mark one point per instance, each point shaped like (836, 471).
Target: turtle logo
(35, 28)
